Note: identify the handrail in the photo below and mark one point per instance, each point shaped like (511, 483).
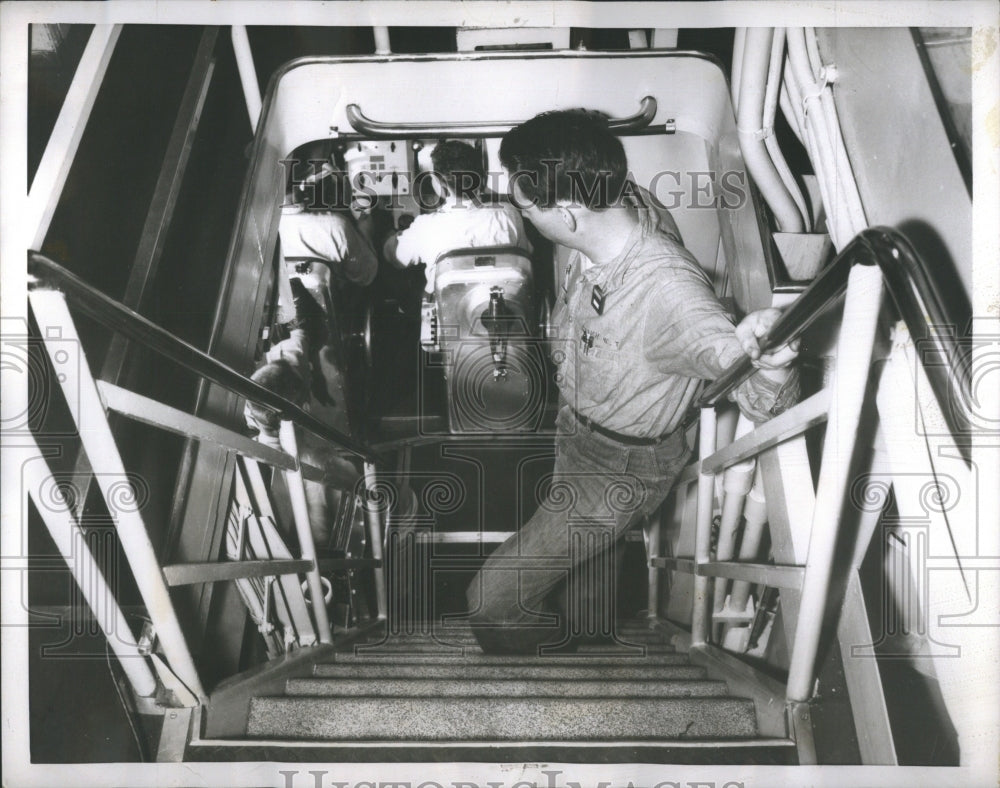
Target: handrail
(113, 315)
(909, 282)
(375, 128)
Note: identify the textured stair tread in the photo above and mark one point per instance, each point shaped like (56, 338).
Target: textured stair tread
(464, 669)
(430, 646)
(510, 688)
(595, 659)
(502, 719)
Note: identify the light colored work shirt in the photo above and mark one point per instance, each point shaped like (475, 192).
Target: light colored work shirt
(452, 227)
(637, 366)
(330, 237)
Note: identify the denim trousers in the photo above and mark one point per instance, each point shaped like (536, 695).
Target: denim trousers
(554, 580)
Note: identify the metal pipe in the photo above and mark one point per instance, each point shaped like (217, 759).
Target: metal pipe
(751, 131)
(653, 551)
(700, 619)
(307, 548)
(113, 315)
(755, 517)
(790, 99)
(71, 542)
(248, 74)
(736, 483)
(739, 43)
(92, 426)
(845, 215)
(375, 128)
(375, 536)
(382, 45)
(770, 110)
(854, 352)
(773, 84)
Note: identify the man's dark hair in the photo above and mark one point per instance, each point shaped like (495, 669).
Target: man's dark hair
(566, 155)
(318, 185)
(460, 166)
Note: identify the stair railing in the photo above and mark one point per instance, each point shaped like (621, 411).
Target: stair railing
(874, 257)
(51, 287)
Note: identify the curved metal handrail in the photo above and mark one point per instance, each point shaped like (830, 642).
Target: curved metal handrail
(911, 286)
(379, 129)
(113, 315)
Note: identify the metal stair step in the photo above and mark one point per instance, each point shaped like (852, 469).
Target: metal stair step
(616, 657)
(464, 669)
(440, 646)
(500, 720)
(506, 688)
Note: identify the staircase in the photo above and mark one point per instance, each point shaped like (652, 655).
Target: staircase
(439, 690)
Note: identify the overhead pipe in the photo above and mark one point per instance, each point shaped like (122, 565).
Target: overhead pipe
(792, 109)
(819, 155)
(771, 92)
(739, 42)
(845, 172)
(749, 125)
(844, 211)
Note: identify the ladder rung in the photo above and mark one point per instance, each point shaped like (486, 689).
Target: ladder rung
(189, 574)
(763, 574)
(329, 564)
(464, 537)
(792, 422)
(150, 411)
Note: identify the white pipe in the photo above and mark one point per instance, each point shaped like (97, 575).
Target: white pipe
(787, 178)
(770, 110)
(248, 74)
(703, 529)
(749, 126)
(382, 45)
(845, 214)
(739, 41)
(99, 443)
(812, 50)
(300, 514)
(375, 536)
(790, 99)
(755, 516)
(736, 483)
(845, 172)
(653, 551)
(823, 178)
(72, 544)
(773, 76)
(854, 353)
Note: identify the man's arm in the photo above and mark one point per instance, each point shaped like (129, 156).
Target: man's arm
(775, 386)
(688, 332)
(390, 249)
